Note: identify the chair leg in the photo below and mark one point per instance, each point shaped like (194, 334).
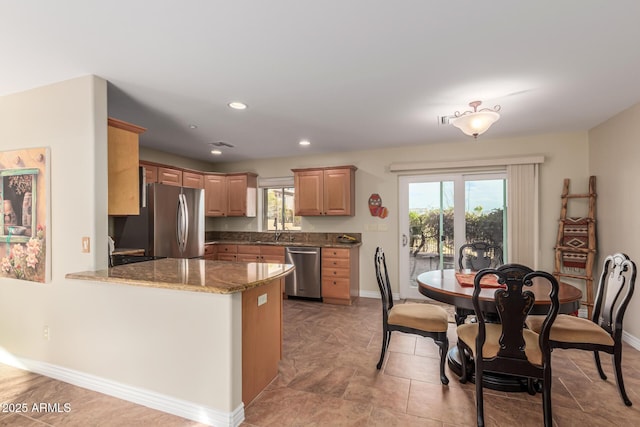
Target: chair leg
(546, 399)
(479, 397)
(386, 337)
(596, 356)
(617, 369)
(443, 343)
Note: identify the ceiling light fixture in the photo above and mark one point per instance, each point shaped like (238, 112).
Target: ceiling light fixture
(216, 152)
(476, 122)
(304, 142)
(238, 105)
(193, 126)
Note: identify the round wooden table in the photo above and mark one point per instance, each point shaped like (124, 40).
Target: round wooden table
(441, 285)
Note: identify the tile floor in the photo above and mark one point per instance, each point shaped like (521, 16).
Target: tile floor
(328, 378)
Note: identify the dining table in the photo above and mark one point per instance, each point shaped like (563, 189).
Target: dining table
(443, 286)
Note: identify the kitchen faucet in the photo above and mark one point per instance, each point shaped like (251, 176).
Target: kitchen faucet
(277, 235)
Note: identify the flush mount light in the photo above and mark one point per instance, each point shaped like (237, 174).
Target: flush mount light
(304, 142)
(216, 152)
(193, 126)
(476, 122)
(238, 105)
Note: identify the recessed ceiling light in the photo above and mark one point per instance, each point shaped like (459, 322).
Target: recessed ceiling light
(193, 126)
(238, 105)
(216, 152)
(304, 142)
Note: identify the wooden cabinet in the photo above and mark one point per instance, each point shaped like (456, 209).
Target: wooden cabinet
(210, 252)
(227, 252)
(123, 170)
(248, 253)
(325, 191)
(192, 179)
(215, 195)
(230, 194)
(150, 172)
(169, 176)
(272, 254)
(259, 253)
(340, 275)
(242, 194)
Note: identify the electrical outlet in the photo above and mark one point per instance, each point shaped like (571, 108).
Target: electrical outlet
(86, 245)
(46, 333)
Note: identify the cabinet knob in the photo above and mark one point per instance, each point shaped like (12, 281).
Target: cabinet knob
(334, 282)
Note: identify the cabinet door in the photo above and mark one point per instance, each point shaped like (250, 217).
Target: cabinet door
(309, 189)
(150, 173)
(192, 180)
(123, 169)
(272, 254)
(338, 192)
(237, 195)
(170, 176)
(210, 252)
(215, 195)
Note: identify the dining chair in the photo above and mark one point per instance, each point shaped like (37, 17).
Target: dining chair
(427, 320)
(508, 347)
(478, 255)
(603, 332)
(475, 256)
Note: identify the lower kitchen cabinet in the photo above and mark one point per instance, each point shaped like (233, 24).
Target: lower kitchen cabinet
(227, 252)
(210, 252)
(340, 275)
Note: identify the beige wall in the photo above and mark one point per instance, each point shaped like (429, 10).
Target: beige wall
(156, 340)
(614, 155)
(157, 156)
(566, 156)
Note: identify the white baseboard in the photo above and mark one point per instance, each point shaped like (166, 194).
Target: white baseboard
(375, 295)
(161, 402)
(631, 340)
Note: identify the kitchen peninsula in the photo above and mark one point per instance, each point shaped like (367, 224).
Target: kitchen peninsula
(246, 335)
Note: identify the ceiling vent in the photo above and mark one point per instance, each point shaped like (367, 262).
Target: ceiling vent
(222, 144)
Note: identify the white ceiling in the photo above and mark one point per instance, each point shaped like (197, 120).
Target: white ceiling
(345, 74)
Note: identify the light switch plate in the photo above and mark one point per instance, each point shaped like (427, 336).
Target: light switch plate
(86, 245)
(262, 299)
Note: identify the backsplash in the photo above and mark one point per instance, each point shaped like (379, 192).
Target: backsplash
(283, 237)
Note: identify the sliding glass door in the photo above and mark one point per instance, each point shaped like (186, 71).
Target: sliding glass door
(438, 214)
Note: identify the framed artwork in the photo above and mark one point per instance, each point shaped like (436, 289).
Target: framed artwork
(24, 215)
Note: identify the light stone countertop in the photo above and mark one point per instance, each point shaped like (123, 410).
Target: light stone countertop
(197, 275)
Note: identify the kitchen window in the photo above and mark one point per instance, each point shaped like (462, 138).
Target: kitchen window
(278, 205)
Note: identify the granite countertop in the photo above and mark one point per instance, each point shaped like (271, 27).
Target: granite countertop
(197, 275)
(284, 243)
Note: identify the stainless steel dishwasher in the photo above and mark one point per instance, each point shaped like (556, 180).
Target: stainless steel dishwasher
(305, 280)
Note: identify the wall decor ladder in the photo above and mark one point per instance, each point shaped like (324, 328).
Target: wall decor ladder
(575, 248)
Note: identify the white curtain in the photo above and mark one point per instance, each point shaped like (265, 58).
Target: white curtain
(522, 214)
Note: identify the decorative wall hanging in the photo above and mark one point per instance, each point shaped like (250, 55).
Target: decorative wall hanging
(24, 214)
(375, 206)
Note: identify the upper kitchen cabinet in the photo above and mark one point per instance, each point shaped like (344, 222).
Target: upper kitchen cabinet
(215, 194)
(124, 191)
(325, 191)
(150, 172)
(231, 194)
(242, 194)
(169, 176)
(192, 179)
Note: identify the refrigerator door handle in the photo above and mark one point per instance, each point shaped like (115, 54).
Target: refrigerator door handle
(185, 219)
(180, 223)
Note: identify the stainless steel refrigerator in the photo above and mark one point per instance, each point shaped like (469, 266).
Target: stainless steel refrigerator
(171, 225)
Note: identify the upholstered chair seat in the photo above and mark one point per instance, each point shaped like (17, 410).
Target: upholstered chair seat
(572, 329)
(426, 317)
